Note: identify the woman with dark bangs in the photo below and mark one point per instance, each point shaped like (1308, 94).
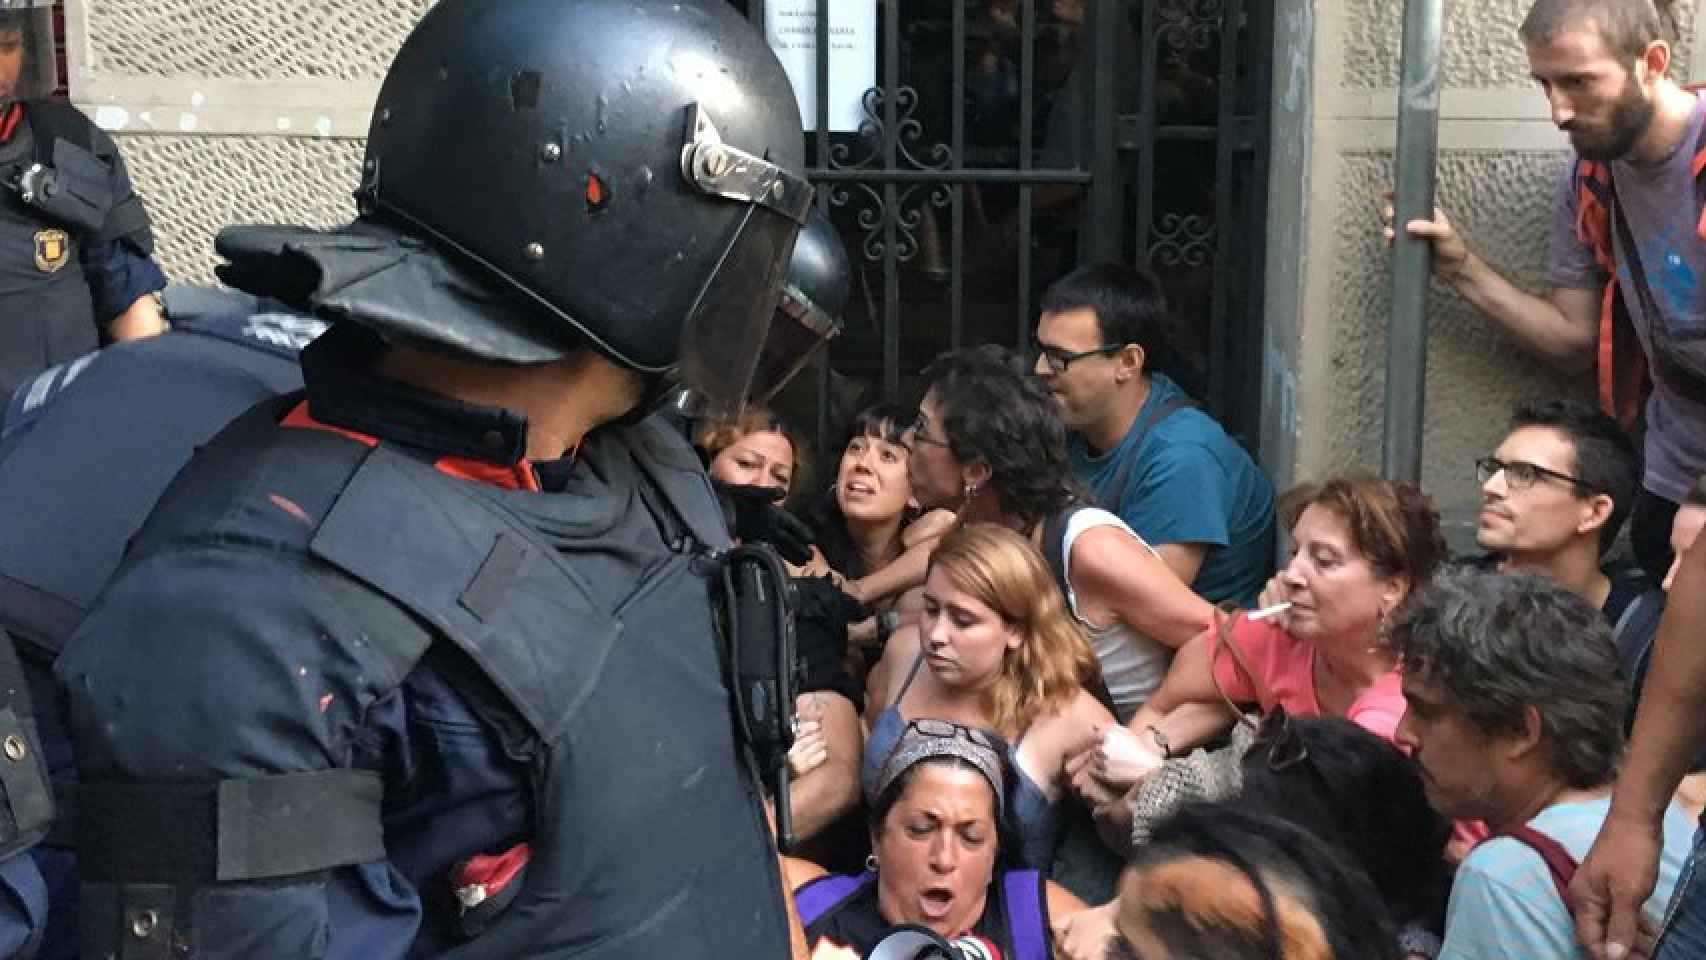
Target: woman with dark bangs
(870, 532)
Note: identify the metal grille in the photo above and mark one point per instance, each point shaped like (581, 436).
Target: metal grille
(299, 180)
(254, 40)
(1006, 142)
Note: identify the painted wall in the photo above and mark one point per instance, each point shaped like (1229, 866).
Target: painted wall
(1499, 162)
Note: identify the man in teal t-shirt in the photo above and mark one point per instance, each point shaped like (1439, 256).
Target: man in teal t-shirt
(1138, 442)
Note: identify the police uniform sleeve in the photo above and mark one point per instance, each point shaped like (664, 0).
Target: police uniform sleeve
(119, 260)
(215, 695)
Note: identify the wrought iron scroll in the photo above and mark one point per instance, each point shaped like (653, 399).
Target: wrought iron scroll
(907, 213)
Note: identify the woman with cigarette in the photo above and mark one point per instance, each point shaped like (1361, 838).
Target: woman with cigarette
(1359, 547)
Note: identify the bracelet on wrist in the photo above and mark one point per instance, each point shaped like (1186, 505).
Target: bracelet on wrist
(1161, 741)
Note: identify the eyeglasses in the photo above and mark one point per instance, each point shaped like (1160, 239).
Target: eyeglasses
(919, 436)
(1520, 474)
(949, 730)
(1285, 748)
(1058, 360)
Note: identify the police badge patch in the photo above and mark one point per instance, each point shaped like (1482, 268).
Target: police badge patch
(53, 249)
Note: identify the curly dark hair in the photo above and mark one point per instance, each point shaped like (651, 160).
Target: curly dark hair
(992, 409)
(1500, 644)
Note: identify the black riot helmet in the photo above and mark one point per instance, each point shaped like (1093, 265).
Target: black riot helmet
(635, 170)
(809, 315)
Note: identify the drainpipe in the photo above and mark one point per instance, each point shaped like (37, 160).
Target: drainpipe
(1407, 333)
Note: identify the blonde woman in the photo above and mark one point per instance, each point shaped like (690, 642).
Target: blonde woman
(995, 649)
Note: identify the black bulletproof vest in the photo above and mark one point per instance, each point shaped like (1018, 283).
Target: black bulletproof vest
(589, 612)
(46, 313)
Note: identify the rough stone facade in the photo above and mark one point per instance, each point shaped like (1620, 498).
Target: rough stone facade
(1499, 163)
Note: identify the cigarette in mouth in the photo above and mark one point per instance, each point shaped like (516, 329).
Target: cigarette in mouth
(1267, 612)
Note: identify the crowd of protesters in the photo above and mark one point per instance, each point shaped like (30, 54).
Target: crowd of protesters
(1074, 679)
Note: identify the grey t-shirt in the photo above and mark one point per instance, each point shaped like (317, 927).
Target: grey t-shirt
(1658, 203)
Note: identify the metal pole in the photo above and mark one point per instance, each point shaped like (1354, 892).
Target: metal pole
(1407, 333)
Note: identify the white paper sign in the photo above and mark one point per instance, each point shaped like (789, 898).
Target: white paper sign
(791, 28)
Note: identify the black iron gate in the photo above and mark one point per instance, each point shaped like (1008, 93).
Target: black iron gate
(1007, 141)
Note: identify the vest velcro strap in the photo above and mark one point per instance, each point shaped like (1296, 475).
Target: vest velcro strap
(249, 829)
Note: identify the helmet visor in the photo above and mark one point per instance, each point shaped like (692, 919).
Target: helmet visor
(799, 332)
(725, 332)
(28, 70)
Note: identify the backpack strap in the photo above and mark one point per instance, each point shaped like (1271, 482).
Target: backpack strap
(1559, 863)
(1054, 544)
(1054, 551)
(1149, 421)
(820, 897)
(1633, 634)
(1026, 922)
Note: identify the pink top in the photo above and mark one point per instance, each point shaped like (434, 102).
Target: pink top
(1286, 667)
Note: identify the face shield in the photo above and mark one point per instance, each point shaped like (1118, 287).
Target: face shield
(724, 335)
(28, 70)
(809, 314)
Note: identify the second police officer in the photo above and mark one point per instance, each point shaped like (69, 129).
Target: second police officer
(424, 660)
(76, 248)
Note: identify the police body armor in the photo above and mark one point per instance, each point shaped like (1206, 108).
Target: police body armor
(585, 623)
(55, 199)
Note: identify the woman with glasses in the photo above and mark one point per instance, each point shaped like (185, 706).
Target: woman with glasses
(1359, 547)
(990, 445)
(936, 805)
(996, 649)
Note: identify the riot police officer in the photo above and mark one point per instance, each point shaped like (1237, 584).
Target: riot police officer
(75, 243)
(425, 660)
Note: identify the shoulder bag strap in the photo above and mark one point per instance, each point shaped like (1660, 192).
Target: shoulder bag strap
(1559, 863)
(1223, 641)
(1025, 914)
(1151, 420)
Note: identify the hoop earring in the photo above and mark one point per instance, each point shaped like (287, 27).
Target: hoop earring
(871, 863)
(1382, 633)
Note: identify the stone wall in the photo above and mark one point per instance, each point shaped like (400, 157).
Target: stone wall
(234, 110)
(1499, 163)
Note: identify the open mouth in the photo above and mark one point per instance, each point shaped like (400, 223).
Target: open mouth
(935, 902)
(857, 488)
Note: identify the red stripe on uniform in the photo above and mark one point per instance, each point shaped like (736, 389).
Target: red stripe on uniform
(518, 476)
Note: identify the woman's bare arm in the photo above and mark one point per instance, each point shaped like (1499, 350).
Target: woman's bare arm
(831, 789)
(1113, 570)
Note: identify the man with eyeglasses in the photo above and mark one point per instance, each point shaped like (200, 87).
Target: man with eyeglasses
(1628, 241)
(1138, 441)
(1553, 497)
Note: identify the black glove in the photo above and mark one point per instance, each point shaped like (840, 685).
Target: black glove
(754, 516)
